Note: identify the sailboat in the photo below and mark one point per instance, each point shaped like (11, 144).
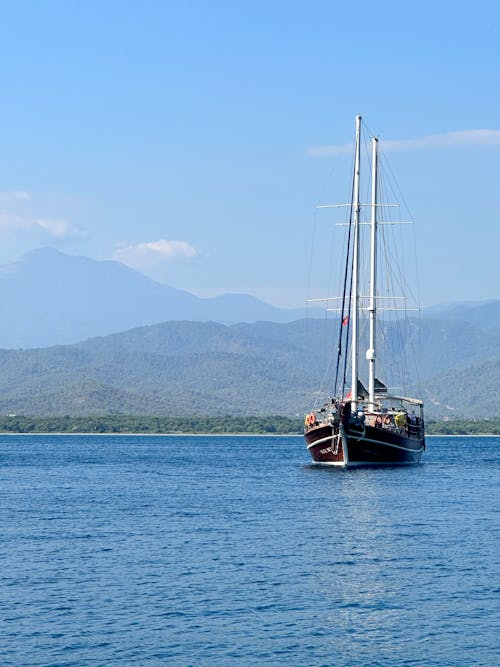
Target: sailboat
(359, 427)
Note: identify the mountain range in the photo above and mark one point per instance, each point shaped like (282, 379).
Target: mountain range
(187, 364)
(50, 298)
(208, 368)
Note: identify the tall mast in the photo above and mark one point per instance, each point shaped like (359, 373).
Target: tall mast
(355, 271)
(370, 353)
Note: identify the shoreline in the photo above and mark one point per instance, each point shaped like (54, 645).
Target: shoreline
(225, 434)
(204, 435)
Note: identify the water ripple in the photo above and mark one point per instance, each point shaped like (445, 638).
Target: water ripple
(234, 551)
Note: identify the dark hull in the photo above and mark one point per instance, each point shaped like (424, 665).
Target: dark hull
(363, 446)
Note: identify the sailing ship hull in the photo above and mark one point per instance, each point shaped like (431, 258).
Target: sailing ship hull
(355, 447)
(366, 427)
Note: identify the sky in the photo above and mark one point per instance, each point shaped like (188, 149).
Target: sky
(193, 140)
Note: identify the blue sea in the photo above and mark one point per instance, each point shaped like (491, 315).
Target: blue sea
(181, 550)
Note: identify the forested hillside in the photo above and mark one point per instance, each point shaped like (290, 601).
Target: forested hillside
(205, 368)
(174, 368)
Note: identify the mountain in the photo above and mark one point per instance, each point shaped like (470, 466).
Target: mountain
(207, 368)
(49, 298)
(466, 392)
(171, 368)
(482, 314)
(152, 349)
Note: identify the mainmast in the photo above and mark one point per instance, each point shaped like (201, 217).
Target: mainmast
(370, 353)
(355, 270)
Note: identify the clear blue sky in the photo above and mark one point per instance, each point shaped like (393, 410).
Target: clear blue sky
(179, 136)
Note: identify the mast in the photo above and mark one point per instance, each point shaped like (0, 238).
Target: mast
(370, 353)
(355, 271)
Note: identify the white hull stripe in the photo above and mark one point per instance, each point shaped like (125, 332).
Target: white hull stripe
(376, 442)
(389, 444)
(321, 441)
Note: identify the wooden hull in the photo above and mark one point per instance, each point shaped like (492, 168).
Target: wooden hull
(363, 446)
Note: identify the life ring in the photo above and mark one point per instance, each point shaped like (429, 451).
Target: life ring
(387, 420)
(312, 419)
(378, 420)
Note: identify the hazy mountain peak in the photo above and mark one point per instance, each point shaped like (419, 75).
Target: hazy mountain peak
(48, 297)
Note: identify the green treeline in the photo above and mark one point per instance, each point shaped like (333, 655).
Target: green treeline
(464, 427)
(145, 424)
(186, 424)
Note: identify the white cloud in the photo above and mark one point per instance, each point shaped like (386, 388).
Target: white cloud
(154, 253)
(445, 140)
(57, 228)
(20, 224)
(20, 215)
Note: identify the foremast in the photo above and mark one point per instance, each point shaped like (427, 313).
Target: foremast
(354, 301)
(354, 306)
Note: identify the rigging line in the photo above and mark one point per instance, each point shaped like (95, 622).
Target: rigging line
(331, 263)
(394, 185)
(348, 328)
(394, 182)
(324, 383)
(386, 276)
(342, 314)
(394, 342)
(414, 351)
(407, 358)
(328, 179)
(367, 129)
(395, 251)
(346, 356)
(322, 190)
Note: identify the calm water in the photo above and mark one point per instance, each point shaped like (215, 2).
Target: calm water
(235, 551)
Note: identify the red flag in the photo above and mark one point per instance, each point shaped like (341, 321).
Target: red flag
(345, 320)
